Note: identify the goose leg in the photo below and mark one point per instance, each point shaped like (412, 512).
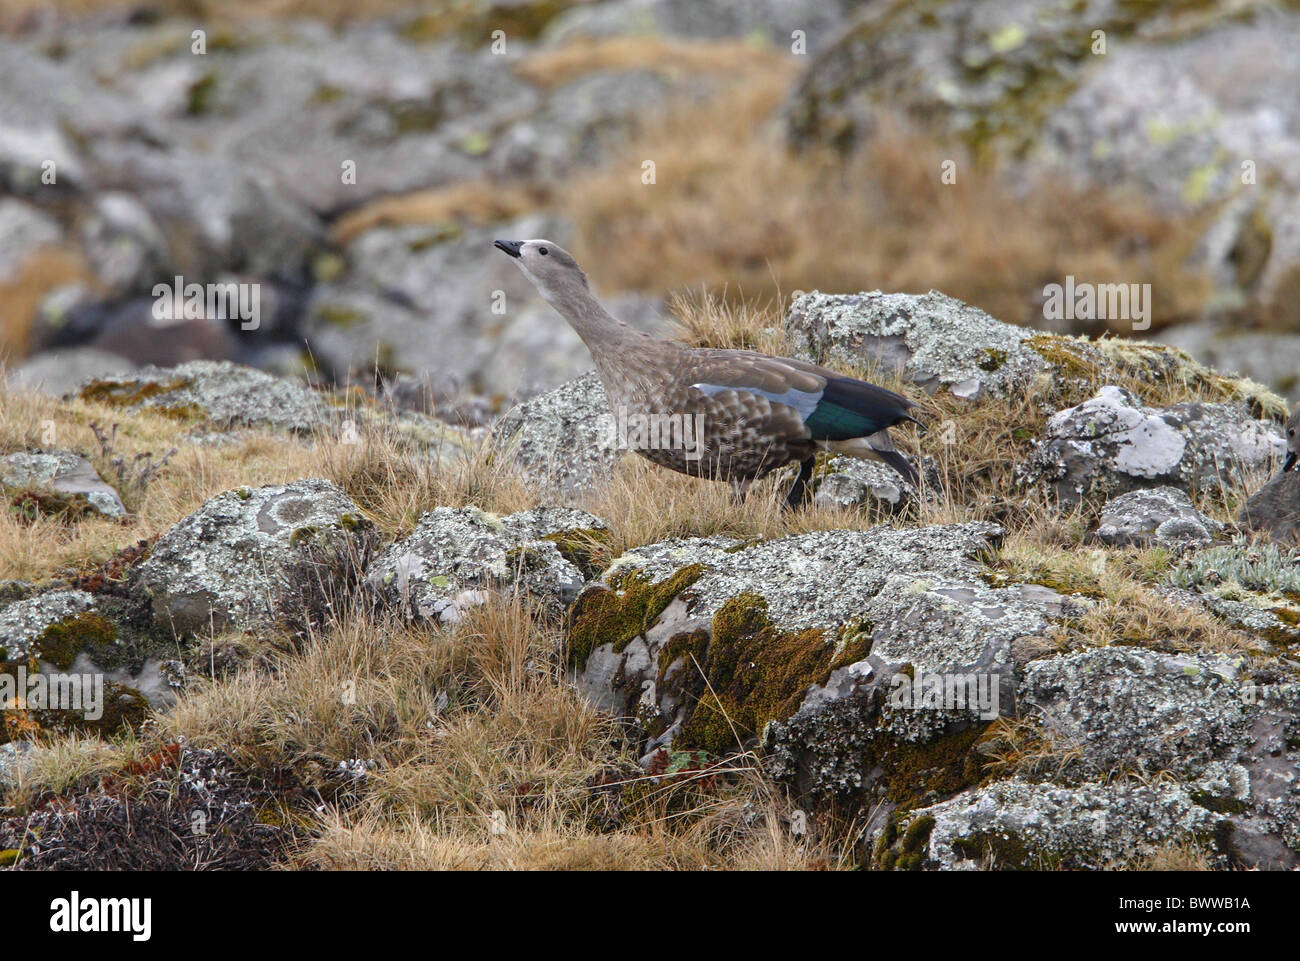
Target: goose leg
(798, 495)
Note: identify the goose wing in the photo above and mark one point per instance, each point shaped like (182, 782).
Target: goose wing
(831, 406)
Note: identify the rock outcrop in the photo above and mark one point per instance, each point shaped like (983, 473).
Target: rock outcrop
(217, 392)
(455, 557)
(1112, 444)
(711, 643)
(232, 563)
(562, 438)
(1163, 516)
(63, 474)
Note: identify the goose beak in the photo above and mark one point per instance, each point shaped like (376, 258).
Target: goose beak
(509, 246)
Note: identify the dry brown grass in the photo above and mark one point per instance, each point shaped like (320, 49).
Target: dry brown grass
(675, 60)
(1183, 856)
(194, 474)
(394, 478)
(482, 755)
(21, 294)
(1118, 587)
(1022, 747)
(732, 205)
(470, 202)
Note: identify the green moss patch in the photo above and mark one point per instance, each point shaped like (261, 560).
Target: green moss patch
(60, 643)
(129, 393)
(905, 850)
(627, 608)
(586, 549)
(1003, 852)
(753, 673)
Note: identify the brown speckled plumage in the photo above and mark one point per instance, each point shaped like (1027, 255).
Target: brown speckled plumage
(1275, 508)
(755, 413)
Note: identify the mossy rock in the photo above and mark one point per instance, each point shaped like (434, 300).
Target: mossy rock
(619, 612)
(1002, 852)
(89, 631)
(586, 549)
(904, 851)
(129, 393)
(753, 673)
(123, 707)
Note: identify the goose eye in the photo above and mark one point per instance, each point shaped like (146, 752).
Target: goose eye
(543, 251)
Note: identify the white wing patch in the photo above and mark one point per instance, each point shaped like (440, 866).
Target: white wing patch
(801, 400)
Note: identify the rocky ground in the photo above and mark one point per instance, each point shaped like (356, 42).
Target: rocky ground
(335, 600)
(367, 586)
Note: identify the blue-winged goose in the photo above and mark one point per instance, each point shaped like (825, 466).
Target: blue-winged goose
(751, 413)
(1275, 507)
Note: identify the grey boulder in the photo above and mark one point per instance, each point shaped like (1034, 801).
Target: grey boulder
(456, 557)
(1111, 444)
(62, 472)
(236, 562)
(1163, 516)
(561, 439)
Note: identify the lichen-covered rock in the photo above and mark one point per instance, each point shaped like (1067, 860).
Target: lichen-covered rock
(710, 643)
(1112, 444)
(69, 667)
(939, 343)
(225, 394)
(1200, 718)
(933, 340)
(561, 439)
(231, 563)
(1013, 825)
(1136, 710)
(23, 621)
(64, 473)
(851, 482)
(970, 65)
(456, 556)
(1163, 516)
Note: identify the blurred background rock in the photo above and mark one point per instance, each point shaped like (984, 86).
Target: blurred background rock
(797, 144)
